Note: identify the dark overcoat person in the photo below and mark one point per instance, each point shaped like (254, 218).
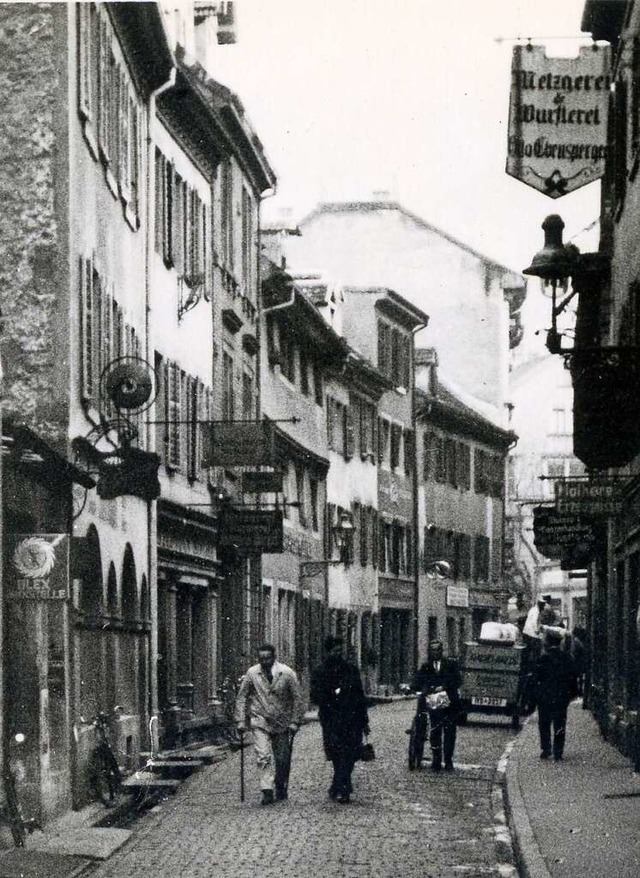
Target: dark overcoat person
(555, 686)
(336, 688)
(436, 674)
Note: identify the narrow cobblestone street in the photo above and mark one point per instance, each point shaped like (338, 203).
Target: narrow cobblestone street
(399, 823)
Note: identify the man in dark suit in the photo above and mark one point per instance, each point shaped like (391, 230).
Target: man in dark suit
(336, 688)
(555, 686)
(439, 674)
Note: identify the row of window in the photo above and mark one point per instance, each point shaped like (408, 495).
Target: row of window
(104, 334)
(183, 403)
(109, 108)
(112, 119)
(386, 545)
(394, 354)
(448, 461)
(294, 361)
(182, 226)
(356, 428)
(468, 555)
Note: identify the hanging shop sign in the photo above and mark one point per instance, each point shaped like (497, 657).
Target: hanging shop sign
(251, 530)
(587, 498)
(262, 482)
(38, 567)
(558, 535)
(239, 443)
(557, 140)
(132, 472)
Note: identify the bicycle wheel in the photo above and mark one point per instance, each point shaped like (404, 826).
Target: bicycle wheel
(13, 813)
(416, 746)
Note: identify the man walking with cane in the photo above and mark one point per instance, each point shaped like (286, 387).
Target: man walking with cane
(269, 702)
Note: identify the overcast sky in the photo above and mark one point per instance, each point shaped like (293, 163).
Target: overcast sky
(350, 97)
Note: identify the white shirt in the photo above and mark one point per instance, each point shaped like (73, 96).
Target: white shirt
(531, 626)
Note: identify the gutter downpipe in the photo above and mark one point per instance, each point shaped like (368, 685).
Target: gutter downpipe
(414, 491)
(152, 507)
(268, 193)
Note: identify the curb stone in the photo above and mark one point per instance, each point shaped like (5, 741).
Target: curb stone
(527, 852)
(505, 848)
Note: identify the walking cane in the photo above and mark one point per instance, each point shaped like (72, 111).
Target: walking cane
(241, 766)
(291, 737)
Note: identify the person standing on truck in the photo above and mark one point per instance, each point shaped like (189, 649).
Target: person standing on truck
(439, 675)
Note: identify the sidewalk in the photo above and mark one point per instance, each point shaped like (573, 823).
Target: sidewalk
(575, 817)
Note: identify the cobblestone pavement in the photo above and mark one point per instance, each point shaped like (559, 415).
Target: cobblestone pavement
(399, 823)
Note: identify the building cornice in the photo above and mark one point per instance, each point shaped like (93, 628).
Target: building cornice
(141, 31)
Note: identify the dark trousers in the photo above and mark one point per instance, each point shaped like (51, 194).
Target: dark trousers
(343, 764)
(443, 735)
(552, 716)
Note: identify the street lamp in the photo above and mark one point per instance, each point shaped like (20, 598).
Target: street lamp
(437, 568)
(554, 264)
(342, 533)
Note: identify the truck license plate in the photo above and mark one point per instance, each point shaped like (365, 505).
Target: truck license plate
(485, 701)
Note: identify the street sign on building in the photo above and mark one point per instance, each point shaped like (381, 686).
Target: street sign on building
(587, 498)
(250, 531)
(457, 596)
(557, 139)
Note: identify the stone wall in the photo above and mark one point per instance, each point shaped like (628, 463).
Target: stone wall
(33, 246)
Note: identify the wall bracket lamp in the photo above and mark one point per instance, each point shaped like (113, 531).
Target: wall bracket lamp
(554, 264)
(343, 539)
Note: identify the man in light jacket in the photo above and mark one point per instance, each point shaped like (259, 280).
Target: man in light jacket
(270, 703)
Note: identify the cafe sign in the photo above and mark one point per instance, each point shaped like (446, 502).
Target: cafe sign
(557, 139)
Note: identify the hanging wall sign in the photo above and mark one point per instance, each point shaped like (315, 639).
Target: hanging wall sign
(558, 118)
(39, 567)
(251, 530)
(556, 534)
(239, 443)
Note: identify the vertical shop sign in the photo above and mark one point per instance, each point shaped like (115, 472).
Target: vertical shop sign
(558, 118)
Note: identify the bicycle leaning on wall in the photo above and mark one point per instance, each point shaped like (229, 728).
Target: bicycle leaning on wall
(104, 774)
(11, 812)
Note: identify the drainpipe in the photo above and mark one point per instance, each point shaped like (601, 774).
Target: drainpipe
(2, 647)
(152, 508)
(268, 193)
(414, 491)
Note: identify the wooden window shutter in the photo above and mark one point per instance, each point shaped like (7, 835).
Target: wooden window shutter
(85, 59)
(407, 346)
(349, 433)
(87, 324)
